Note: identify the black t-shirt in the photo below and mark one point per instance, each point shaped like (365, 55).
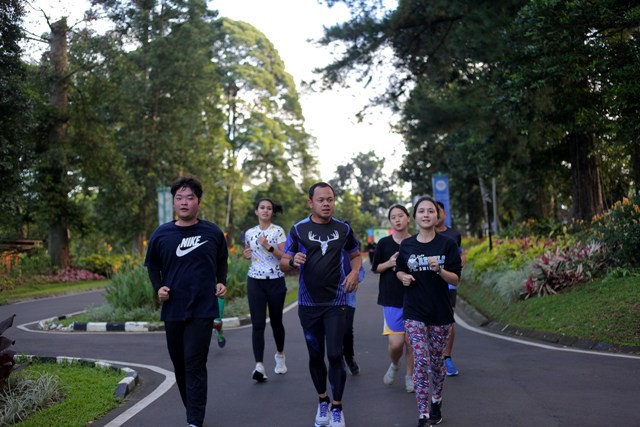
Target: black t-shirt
(453, 235)
(427, 298)
(390, 289)
(191, 260)
(322, 274)
(456, 237)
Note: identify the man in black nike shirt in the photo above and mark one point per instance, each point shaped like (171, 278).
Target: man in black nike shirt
(187, 264)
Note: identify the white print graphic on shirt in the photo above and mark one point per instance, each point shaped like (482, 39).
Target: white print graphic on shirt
(188, 244)
(420, 263)
(324, 244)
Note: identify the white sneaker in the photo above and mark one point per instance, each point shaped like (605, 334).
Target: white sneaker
(337, 418)
(281, 367)
(408, 384)
(259, 373)
(323, 415)
(390, 376)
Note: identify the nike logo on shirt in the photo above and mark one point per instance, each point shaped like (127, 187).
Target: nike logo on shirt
(189, 244)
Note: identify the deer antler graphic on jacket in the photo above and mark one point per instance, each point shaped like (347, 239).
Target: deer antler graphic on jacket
(324, 244)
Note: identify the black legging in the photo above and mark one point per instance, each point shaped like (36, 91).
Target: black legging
(263, 293)
(320, 324)
(348, 349)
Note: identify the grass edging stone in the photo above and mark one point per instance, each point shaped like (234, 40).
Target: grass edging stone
(124, 387)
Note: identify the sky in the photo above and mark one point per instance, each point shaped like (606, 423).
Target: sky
(329, 116)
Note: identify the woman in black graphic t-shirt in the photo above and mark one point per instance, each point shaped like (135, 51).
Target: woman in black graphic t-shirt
(426, 263)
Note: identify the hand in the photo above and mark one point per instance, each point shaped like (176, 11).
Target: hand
(407, 279)
(392, 261)
(350, 282)
(221, 290)
(247, 252)
(433, 264)
(163, 293)
(299, 259)
(262, 241)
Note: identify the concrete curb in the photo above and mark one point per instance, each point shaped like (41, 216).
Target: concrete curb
(124, 387)
(470, 313)
(53, 324)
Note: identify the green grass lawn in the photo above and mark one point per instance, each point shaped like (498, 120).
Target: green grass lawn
(88, 394)
(604, 310)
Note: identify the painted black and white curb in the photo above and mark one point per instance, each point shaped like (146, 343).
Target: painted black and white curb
(124, 387)
(53, 324)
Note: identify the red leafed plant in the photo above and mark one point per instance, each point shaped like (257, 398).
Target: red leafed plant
(7, 362)
(563, 268)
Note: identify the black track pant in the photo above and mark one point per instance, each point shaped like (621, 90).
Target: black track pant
(188, 343)
(263, 293)
(320, 325)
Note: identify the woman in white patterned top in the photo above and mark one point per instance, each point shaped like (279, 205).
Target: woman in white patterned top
(266, 287)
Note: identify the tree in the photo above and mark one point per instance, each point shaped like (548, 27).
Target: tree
(531, 92)
(165, 116)
(16, 121)
(265, 125)
(363, 176)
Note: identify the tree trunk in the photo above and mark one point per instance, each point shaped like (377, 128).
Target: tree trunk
(55, 177)
(635, 164)
(585, 168)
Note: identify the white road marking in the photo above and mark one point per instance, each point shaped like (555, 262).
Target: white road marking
(477, 330)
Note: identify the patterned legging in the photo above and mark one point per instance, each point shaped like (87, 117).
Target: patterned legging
(428, 343)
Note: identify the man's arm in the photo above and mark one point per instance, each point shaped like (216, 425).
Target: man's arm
(351, 281)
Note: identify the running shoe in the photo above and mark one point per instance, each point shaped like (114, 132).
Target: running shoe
(281, 367)
(337, 418)
(408, 384)
(450, 367)
(259, 373)
(435, 415)
(217, 331)
(220, 339)
(390, 376)
(423, 421)
(353, 365)
(322, 415)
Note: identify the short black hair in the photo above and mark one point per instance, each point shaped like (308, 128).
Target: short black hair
(441, 205)
(312, 189)
(187, 181)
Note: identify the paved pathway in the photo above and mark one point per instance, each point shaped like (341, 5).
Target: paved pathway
(502, 382)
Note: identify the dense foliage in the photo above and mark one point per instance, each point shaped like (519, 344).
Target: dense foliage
(538, 94)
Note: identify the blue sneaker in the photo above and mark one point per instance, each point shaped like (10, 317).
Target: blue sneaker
(450, 367)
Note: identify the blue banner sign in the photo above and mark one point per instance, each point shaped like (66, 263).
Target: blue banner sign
(441, 194)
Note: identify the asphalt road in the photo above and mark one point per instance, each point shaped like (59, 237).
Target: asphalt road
(502, 381)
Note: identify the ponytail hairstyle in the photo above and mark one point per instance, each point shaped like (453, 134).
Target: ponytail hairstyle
(276, 207)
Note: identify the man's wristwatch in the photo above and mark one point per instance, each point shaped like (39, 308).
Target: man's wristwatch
(291, 263)
(271, 249)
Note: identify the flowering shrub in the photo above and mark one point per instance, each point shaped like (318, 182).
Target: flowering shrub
(563, 268)
(619, 230)
(105, 265)
(507, 254)
(73, 275)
